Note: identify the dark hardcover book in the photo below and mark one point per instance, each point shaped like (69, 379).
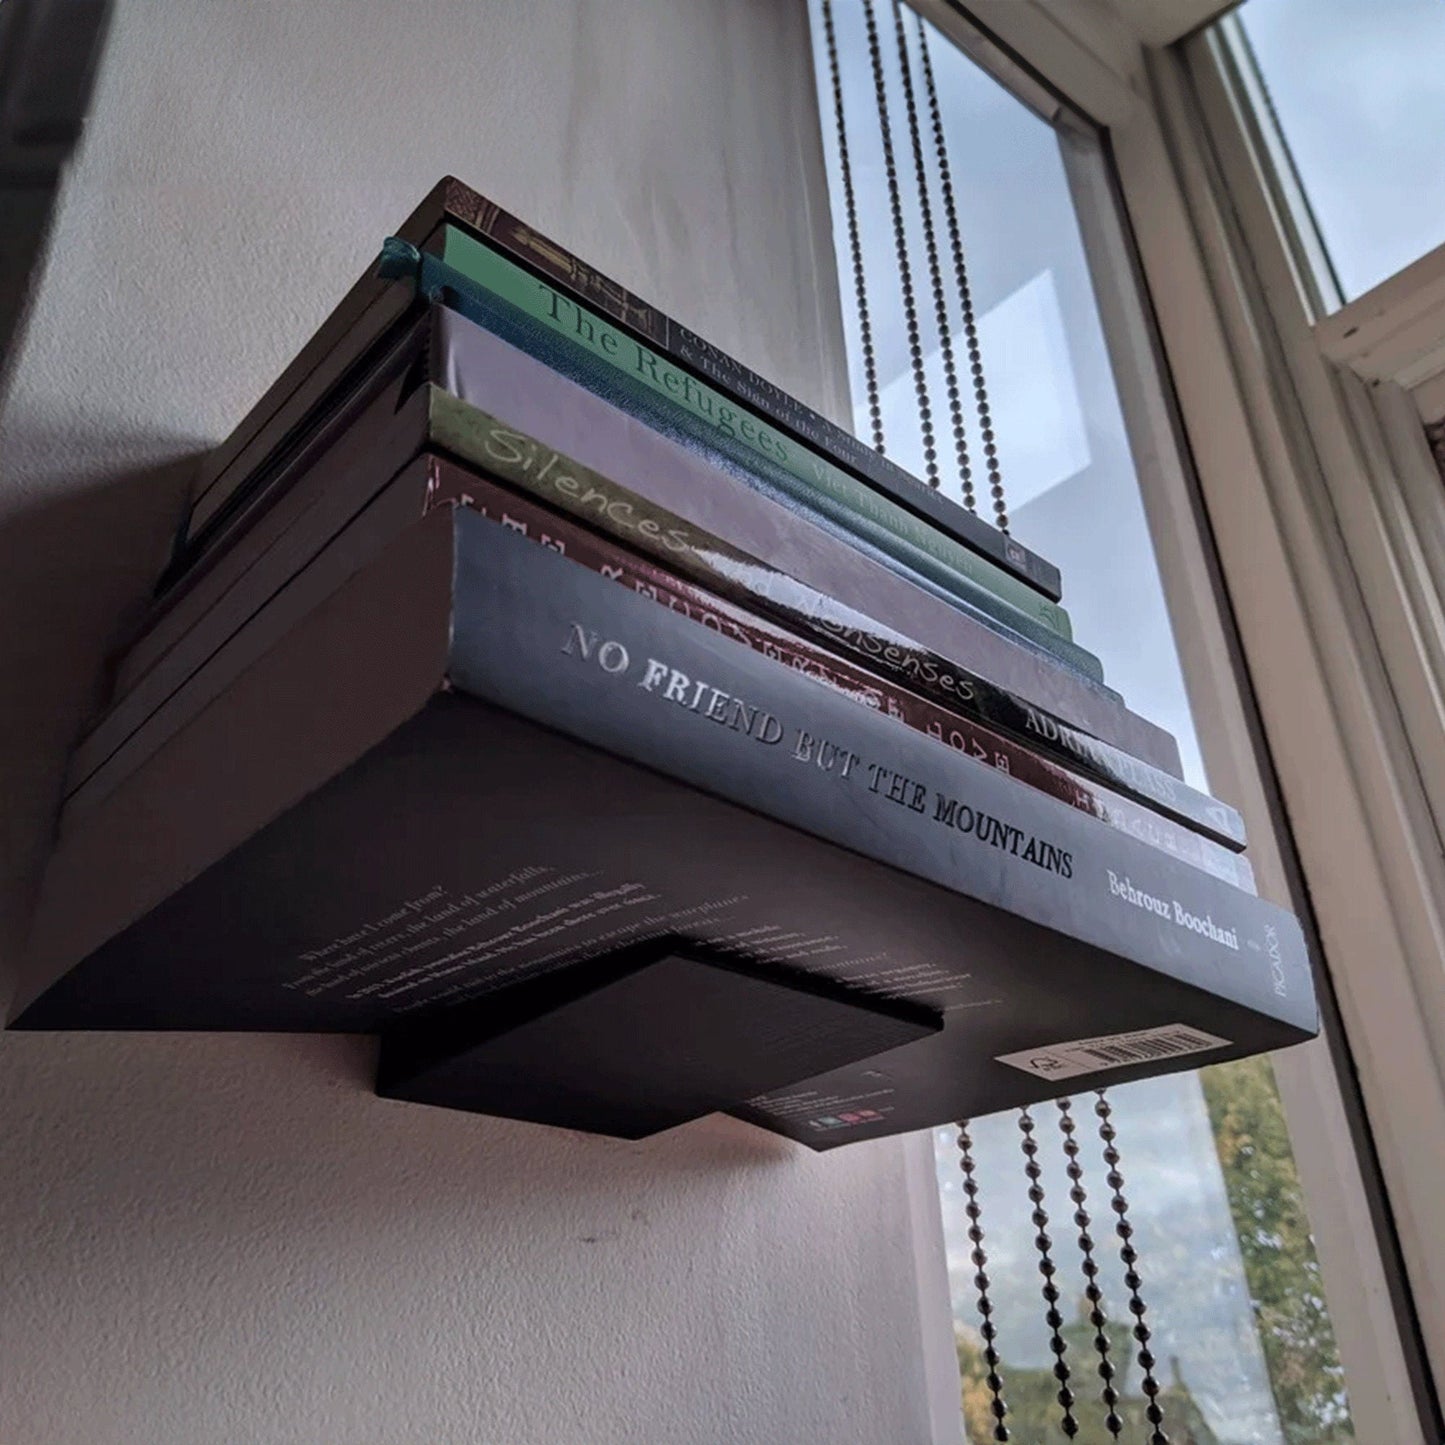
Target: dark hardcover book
(173, 692)
(478, 762)
(534, 399)
(366, 310)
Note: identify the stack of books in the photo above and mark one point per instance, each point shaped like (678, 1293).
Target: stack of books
(536, 686)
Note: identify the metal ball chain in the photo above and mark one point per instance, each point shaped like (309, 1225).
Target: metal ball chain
(1132, 1281)
(900, 241)
(1048, 1269)
(965, 296)
(855, 245)
(1092, 1292)
(987, 1329)
(935, 270)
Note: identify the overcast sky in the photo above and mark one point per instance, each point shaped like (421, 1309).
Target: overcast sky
(1359, 87)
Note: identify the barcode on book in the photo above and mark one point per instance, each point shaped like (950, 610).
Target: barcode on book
(1112, 1051)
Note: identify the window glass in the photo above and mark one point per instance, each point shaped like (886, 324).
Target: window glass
(1244, 1351)
(1357, 90)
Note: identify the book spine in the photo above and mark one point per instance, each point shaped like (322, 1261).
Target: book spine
(541, 471)
(811, 473)
(580, 364)
(544, 257)
(554, 643)
(547, 528)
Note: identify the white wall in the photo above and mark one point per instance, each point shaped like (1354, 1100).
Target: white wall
(228, 1239)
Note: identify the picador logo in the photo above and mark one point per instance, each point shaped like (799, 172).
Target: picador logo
(1276, 959)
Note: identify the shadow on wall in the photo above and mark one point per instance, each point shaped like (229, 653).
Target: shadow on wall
(78, 558)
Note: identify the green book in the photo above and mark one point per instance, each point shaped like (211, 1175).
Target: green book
(559, 312)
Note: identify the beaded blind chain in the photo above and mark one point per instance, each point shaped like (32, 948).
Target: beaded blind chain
(1108, 1371)
(935, 270)
(855, 244)
(965, 295)
(979, 1259)
(924, 183)
(1092, 1293)
(900, 243)
(1048, 1269)
(1132, 1281)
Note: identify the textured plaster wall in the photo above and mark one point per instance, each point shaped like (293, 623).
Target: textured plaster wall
(228, 1239)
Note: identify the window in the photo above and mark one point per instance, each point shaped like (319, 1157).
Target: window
(1355, 88)
(1243, 1346)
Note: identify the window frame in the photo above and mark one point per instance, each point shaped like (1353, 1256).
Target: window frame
(1290, 689)
(1367, 542)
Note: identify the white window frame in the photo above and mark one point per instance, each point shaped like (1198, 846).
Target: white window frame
(1367, 540)
(1278, 617)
